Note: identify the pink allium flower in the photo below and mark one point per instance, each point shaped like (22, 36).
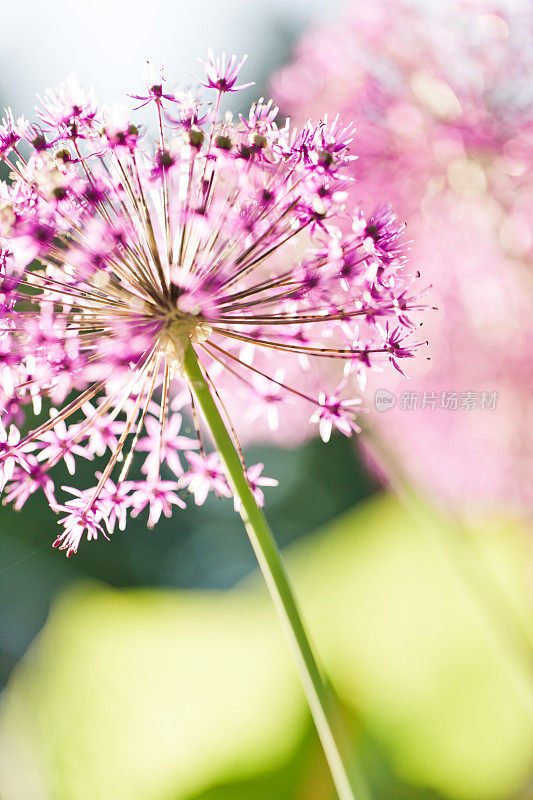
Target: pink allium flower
(205, 475)
(159, 496)
(221, 77)
(162, 445)
(441, 96)
(8, 441)
(256, 480)
(232, 237)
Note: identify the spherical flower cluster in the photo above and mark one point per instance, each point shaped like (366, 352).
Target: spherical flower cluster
(231, 237)
(442, 98)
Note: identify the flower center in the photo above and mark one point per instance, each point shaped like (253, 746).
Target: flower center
(181, 330)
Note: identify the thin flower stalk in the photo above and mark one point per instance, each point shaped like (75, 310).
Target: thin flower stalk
(318, 697)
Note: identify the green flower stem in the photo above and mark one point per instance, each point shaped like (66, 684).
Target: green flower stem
(320, 700)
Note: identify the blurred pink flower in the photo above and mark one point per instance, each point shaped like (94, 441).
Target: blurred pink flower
(441, 97)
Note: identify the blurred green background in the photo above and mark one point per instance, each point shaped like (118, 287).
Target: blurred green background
(201, 548)
(162, 672)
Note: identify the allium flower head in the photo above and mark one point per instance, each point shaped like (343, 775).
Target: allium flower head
(117, 255)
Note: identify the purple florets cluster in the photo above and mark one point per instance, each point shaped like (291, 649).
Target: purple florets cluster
(229, 236)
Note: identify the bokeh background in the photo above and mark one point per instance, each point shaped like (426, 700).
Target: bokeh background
(152, 666)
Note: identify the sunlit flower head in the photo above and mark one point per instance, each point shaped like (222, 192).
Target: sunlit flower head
(232, 237)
